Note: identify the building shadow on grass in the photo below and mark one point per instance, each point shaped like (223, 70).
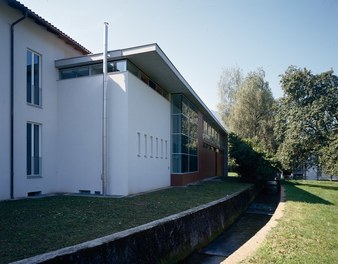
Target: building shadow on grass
(320, 186)
(297, 194)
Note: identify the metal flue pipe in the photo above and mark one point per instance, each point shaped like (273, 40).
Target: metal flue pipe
(104, 112)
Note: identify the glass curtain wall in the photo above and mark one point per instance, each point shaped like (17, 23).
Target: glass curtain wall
(184, 135)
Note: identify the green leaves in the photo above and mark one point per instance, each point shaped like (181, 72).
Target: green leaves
(247, 105)
(307, 117)
(253, 161)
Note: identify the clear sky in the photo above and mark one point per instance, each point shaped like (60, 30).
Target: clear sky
(201, 37)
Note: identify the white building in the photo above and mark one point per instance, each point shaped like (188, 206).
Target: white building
(160, 133)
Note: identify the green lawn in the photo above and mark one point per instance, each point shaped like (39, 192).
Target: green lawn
(232, 174)
(32, 226)
(308, 231)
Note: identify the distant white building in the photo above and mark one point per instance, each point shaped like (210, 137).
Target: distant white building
(160, 133)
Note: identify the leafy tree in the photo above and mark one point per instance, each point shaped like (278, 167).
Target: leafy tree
(247, 104)
(252, 161)
(229, 82)
(307, 119)
(251, 115)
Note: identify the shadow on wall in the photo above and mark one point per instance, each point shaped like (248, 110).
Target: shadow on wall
(296, 194)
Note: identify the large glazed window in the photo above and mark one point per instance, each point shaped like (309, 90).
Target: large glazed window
(33, 78)
(33, 149)
(184, 135)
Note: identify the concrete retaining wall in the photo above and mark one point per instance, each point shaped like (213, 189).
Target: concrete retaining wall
(167, 240)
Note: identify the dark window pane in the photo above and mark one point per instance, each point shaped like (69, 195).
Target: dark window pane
(176, 163)
(67, 74)
(176, 123)
(177, 104)
(82, 71)
(185, 163)
(176, 143)
(96, 69)
(29, 148)
(185, 144)
(193, 163)
(110, 67)
(152, 84)
(36, 79)
(29, 76)
(36, 150)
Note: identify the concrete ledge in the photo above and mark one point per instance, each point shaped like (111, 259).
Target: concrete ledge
(167, 240)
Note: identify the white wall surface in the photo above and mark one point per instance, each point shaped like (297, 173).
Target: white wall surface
(117, 115)
(4, 102)
(149, 114)
(79, 134)
(28, 35)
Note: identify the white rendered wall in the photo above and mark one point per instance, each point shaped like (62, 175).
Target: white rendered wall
(4, 103)
(79, 134)
(117, 115)
(149, 114)
(28, 35)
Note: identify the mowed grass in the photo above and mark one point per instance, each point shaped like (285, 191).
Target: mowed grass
(32, 226)
(232, 174)
(308, 230)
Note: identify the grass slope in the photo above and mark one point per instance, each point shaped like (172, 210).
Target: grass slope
(32, 226)
(308, 231)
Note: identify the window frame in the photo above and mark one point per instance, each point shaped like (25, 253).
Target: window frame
(34, 149)
(31, 89)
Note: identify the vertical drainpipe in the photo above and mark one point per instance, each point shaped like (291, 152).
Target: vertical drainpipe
(12, 108)
(104, 112)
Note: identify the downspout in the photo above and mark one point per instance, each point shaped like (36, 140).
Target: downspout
(12, 107)
(104, 112)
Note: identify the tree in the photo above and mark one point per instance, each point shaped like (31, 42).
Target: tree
(229, 82)
(251, 115)
(252, 161)
(307, 119)
(247, 105)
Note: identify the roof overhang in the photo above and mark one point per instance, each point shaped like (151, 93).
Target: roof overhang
(153, 62)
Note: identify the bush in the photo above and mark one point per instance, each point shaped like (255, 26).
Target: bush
(252, 162)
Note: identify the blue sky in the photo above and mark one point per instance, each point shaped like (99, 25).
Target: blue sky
(203, 37)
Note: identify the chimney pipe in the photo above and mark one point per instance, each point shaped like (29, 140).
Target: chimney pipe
(104, 112)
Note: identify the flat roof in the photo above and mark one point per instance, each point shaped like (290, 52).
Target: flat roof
(153, 61)
(49, 27)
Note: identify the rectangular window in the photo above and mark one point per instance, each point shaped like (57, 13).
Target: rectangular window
(145, 146)
(156, 147)
(184, 135)
(161, 148)
(33, 132)
(138, 144)
(166, 149)
(151, 147)
(33, 78)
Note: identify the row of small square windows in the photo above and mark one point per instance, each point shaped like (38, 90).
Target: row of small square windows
(155, 144)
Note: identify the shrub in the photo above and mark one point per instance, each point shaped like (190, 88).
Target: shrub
(252, 162)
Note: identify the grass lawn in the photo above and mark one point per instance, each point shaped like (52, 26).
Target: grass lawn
(32, 226)
(308, 231)
(232, 174)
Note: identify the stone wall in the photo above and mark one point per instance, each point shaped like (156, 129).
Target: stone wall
(167, 240)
